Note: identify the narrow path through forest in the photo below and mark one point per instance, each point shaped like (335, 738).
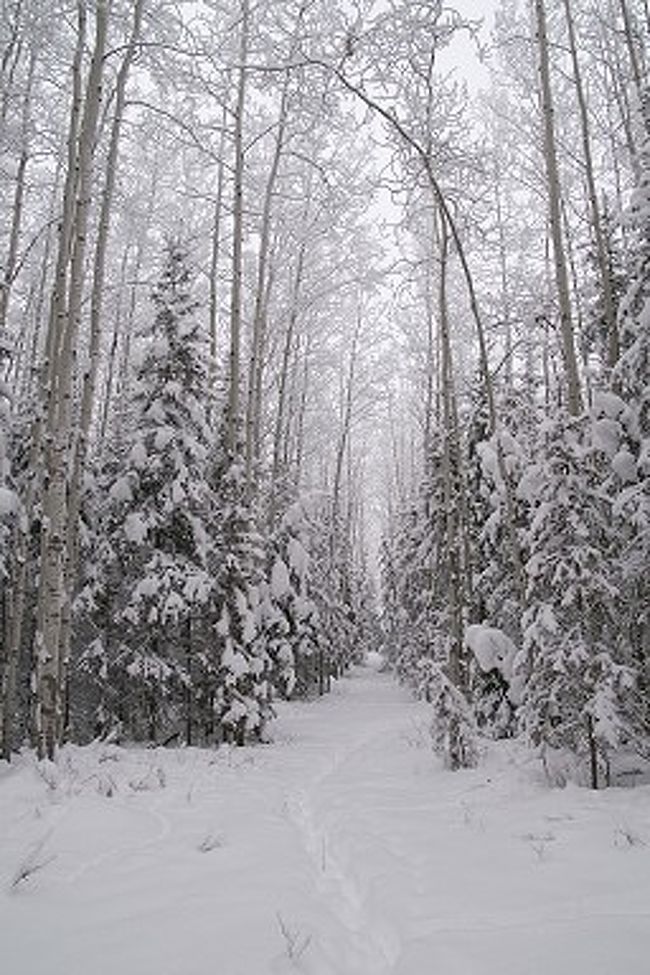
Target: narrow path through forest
(343, 848)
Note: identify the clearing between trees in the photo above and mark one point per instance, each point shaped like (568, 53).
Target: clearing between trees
(342, 849)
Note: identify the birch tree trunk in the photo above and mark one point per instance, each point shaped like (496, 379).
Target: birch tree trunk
(10, 261)
(430, 376)
(505, 290)
(9, 60)
(631, 45)
(572, 380)
(423, 153)
(453, 485)
(238, 239)
(215, 251)
(62, 340)
(344, 434)
(609, 311)
(41, 435)
(278, 464)
(255, 365)
(262, 286)
(89, 384)
(117, 373)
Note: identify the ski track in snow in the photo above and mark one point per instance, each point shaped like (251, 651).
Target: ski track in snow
(372, 946)
(342, 849)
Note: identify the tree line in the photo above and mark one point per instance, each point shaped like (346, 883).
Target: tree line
(257, 258)
(516, 562)
(177, 548)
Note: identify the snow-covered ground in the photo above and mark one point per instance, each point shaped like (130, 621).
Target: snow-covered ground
(342, 849)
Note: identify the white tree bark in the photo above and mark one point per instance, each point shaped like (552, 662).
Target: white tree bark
(89, 383)
(62, 339)
(609, 311)
(11, 258)
(234, 378)
(572, 379)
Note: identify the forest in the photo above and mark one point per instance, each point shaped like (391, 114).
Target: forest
(325, 329)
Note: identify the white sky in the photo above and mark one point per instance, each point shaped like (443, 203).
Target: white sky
(462, 52)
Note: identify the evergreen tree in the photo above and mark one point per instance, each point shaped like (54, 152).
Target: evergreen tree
(295, 638)
(427, 654)
(594, 337)
(242, 692)
(453, 726)
(580, 695)
(147, 593)
(7, 496)
(631, 464)
(496, 598)
(8, 505)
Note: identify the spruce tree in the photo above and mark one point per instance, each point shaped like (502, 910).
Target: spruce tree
(631, 464)
(580, 695)
(242, 693)
(148, 591)
(7, 496)
(293, 623)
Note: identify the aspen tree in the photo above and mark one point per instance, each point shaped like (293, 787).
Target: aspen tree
(11, 258)
(89, 383)
(215, 251)
(572, 379)
(451, 462)
(344, 433)
(422, 151)
(255, 365)
(62, 338)
(238, 236)
(594, 208)
(117, 373)
(41, 437)
(10, 56)
(277, 469)
(264, 272)
(631, 44)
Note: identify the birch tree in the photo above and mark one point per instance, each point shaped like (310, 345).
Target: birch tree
(63, 329)
(574, 396)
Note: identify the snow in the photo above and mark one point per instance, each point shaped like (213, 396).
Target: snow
(8, 501)
(488, 457)
(138, 454)
(298, 557)
(608, 404)
(179, 492)
(121, 490)
(280, 581)
(606, 435)
(249, 627)
(341, 849)
(197, 586)
(164, 436)
(135, 528)
(234, 661)
(624, 466)
(493, 649)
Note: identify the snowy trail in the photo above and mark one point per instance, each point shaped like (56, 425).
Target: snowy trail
(319, 811)
(342, 849)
